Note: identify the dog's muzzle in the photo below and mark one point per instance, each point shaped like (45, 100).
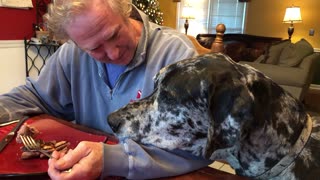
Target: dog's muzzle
(115, 122)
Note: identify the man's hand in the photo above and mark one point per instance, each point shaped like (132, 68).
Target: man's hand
(85, 162)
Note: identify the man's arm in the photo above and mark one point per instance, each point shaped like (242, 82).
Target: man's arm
(133, 161)
(19, 102)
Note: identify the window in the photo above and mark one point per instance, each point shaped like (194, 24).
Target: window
(209, 13)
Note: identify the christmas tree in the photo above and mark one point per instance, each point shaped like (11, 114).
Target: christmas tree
(151, 8)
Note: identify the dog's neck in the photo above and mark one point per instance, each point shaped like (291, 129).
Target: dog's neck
(293, 154)
(231, 156)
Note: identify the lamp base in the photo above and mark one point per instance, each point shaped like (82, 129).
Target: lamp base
(290, 30)
(186, 26)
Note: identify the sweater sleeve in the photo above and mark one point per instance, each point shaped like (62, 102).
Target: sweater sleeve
(133, 161)
(19, 102)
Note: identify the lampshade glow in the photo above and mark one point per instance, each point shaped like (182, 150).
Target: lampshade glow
(187, 12)
(292, 15)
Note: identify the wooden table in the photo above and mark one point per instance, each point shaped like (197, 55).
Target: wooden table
(202, 174)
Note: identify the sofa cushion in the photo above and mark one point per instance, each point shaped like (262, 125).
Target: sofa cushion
(273, 52)
(234, 49)
(293, 54)
(251, 54)
(260, 59)
(280, 74)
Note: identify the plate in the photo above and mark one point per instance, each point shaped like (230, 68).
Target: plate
(50, 129)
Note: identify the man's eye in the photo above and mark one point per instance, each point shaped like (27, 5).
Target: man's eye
(93, 49)
(114, 36)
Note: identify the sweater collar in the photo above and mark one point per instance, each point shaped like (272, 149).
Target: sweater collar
(139, 56)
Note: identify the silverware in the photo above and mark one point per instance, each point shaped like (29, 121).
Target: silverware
(9, 122)
(32, 145)
(7, 139)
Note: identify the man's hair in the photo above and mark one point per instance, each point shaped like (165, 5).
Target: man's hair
(62, 12)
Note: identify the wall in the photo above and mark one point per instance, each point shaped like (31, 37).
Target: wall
(265, 18)
(169, 9)
(17, 23)
(12, 65)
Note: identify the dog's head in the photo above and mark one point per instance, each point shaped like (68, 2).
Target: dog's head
(198, 105)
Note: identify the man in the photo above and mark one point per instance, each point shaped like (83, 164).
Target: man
(109, 59)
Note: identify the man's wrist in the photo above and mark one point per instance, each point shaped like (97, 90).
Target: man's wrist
(115, 161)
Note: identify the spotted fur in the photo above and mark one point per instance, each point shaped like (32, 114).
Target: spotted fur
(213, 107)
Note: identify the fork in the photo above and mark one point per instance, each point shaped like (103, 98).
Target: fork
(32, 145)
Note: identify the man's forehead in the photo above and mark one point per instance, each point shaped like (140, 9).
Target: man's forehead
(93, 23)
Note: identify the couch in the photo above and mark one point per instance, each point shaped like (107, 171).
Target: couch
(240, 47)
(291, 65)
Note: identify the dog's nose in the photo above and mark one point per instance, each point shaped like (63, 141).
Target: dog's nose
(114, 123)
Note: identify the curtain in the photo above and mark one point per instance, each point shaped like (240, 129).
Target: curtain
(209, 13)
(229, 12)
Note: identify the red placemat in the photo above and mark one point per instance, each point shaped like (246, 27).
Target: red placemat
(50, 129)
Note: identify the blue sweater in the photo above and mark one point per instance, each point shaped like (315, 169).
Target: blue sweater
(74, 86)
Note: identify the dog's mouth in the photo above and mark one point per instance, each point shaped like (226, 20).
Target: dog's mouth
(115, 128)
(115, 122)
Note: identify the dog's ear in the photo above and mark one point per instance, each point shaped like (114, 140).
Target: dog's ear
(230, 105)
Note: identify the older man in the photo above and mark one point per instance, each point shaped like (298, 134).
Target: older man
(112, 54)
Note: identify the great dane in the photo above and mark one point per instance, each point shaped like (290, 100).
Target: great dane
(216, 108)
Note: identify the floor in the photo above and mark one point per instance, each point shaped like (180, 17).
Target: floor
(311, 102)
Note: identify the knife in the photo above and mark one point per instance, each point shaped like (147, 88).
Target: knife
(9, 122)
(7, 139)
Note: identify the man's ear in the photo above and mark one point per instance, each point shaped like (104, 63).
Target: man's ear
(228, 97)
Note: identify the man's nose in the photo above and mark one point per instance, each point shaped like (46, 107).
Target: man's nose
(113, 52)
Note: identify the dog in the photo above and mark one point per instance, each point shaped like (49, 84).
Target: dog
(215, 108)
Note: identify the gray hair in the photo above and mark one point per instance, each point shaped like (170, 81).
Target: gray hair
(62, 12)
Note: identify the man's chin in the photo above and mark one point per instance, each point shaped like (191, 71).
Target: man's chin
(122, 60)
(109, 61)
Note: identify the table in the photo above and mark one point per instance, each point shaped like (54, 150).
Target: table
(201, 174)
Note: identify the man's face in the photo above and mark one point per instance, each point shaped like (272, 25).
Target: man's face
(105, 35)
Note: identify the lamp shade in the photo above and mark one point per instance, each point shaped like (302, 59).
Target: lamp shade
(187, 12)
(292, 15)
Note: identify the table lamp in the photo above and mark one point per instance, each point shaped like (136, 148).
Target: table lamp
(187, 13)
(291, 16)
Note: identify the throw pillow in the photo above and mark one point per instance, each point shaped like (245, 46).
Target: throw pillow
(251, 54)
(260, 59)
(293, 54)
(272, 54)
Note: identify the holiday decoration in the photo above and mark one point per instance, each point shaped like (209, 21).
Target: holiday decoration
(151, 8)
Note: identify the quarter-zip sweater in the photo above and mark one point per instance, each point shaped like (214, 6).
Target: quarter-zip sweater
(74, 86)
